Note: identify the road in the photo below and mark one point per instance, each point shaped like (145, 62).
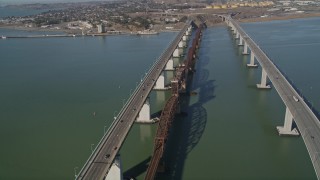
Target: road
(305, 119)
(100, 161)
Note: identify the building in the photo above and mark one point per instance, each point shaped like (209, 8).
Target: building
(101, 28)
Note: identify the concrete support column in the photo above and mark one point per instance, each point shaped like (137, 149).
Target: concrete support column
(169, 65)
(245, 49)
(237, 35)
(240, 41)
(181, 44)
(188, 32)
(144, 114)
(287, 128)
(252, 64)
(184, 38)
(160, 82)
(263, 84)
(115, 172)
(176, 53)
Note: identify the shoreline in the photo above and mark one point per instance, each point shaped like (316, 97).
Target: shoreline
(70, 32)
(279, 18)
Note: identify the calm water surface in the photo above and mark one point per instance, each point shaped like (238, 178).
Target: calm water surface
(51, 87)
(17, 11)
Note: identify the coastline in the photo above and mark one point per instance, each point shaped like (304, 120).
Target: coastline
(283, 17)
(128, 32)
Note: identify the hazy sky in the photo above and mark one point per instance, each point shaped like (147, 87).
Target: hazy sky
(4, 2)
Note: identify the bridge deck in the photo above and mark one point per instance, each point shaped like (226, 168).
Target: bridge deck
(305, 119)
(104, 154)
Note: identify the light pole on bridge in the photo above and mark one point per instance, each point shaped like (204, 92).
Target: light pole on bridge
(92, 148)
(114, 115)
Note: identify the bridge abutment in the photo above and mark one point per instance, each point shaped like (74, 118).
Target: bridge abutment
(115, 172)
(287, 128)
(263, 84)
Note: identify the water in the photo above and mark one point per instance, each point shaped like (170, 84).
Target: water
(49, 91)
(51, 87)
(230, 130)
(17, 11)
(10, 32)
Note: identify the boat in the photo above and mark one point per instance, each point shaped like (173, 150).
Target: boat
(147, 32)
(3, 37)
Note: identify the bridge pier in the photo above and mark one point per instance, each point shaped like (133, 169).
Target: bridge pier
(287, 128)
(185, 38)
(144, 114)
(245, 49)
(263, 84)
(181, 44)
(188, 32)
(115, 172)
(160, 83)
(169, 65)
(237, 35)
(240, 41)
(176, 52)
(252, 64)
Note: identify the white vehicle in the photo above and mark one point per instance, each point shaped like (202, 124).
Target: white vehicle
(295, 98)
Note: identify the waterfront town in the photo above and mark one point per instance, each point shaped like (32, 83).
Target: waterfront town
(118, 17)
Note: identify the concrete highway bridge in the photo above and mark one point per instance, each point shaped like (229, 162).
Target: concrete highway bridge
(104, 162)
(296, 108)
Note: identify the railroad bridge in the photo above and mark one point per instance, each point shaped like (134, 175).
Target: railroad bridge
(104, 161)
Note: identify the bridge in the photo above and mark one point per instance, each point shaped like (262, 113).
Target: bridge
(178, 85)
(136, 109)
(296, 108)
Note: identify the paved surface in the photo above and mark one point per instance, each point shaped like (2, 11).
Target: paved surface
(100, 161)
(305, 119)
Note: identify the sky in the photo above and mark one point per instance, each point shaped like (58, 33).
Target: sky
(6, 2)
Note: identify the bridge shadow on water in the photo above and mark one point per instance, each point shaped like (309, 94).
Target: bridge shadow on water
(137, 170)
(189, 125)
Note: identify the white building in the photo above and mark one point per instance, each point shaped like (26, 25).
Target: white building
(100, 28)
